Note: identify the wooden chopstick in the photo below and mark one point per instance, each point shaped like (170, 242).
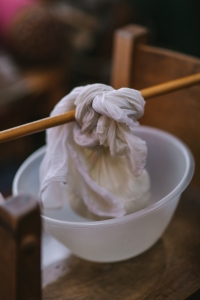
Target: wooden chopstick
(67, 117)
(170, 86)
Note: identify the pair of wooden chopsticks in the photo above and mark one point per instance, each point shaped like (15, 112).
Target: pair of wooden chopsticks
(43, 124)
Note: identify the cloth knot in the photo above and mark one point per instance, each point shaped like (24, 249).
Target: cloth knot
(102, 113)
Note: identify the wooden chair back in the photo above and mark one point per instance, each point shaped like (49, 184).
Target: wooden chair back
(138, 66)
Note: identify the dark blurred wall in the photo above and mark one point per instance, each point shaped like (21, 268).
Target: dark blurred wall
(174, 24)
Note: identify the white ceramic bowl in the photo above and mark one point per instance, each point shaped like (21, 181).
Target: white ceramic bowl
(170, 165)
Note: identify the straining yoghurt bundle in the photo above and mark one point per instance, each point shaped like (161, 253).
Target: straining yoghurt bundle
(97, 160)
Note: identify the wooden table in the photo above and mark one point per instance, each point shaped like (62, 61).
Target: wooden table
(169, 270)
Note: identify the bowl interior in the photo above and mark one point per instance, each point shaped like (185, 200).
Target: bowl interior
(168, 164)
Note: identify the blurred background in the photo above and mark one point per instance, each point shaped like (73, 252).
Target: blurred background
(49, 47)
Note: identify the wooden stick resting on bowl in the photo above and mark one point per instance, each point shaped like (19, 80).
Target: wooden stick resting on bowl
(67, 117)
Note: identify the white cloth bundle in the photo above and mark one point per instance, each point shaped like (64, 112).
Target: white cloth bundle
(98, 156)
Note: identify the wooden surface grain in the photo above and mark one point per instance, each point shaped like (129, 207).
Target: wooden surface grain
(177, 112)
(169, 270)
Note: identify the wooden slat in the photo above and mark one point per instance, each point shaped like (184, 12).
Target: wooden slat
(20, 228)
(126, 40)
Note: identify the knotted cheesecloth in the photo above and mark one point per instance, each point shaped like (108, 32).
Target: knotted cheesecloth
(98, 156)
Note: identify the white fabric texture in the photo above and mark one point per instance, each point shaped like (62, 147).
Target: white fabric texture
(98, 156)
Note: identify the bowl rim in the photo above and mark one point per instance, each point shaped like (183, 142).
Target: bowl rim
(188, 174)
